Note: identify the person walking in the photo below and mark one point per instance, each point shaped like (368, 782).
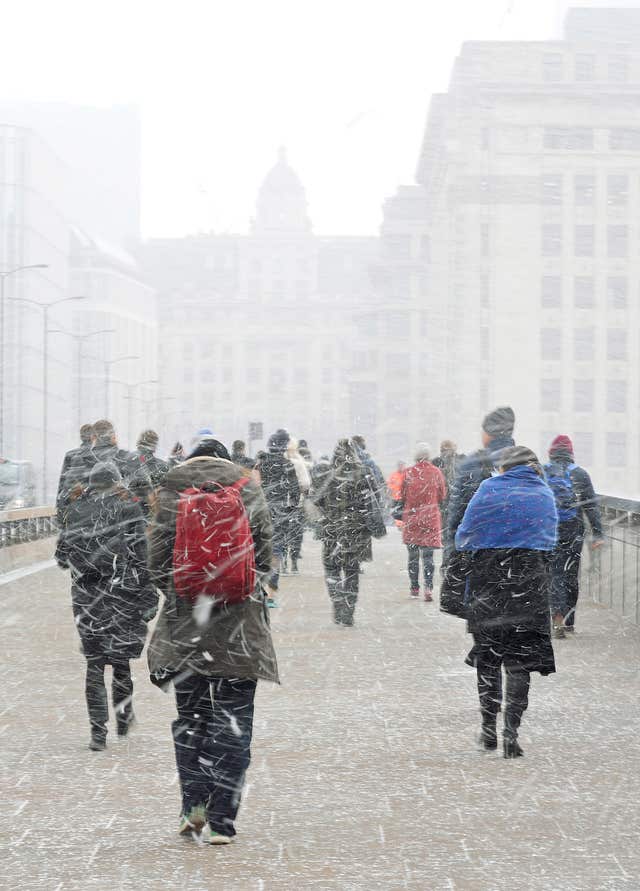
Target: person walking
(345, 503)
(282, 492)
(212, 648)
(423, 491)
(103, 543)
(448, 462)
(239, 455)
(79, 456)
(577, 506)
(154, 466)
(293, 548)
(497, 434)
(395, 481)
(498, 579)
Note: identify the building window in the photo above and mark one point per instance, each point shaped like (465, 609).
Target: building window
(618, 69)
(624, 139)
(617, 287)
(617, 396)
(551, 343)
(584, 241)
(617, 241)
(484, 239)
(583, 344)
(616, 449)
(583, 446)
(552, 67)
(551, 291)
(585, 67)
(551, 188)
(617, 344)
(550, 394)
(551, 240)
(583, 292)
(583, 395)
(584, 190)
(568, 138)
(617, 189)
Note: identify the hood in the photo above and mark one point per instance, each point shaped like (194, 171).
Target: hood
(196, 471)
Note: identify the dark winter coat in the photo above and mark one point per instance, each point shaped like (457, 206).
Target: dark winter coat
(104, 545)
(346, 504)
(134, 475)
(471, 472)
(423, 489)
(586, 500)
(279, 481)
(235, 640)
(155, 467)
(78, 457)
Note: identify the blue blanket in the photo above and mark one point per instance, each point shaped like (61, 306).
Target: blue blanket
(514, 510)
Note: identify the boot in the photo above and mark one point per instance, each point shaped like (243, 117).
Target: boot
(428, 595)
(558, 626)
(511, 746)
(294, 566)
(125, 722)
(98, 742)
(489, 734)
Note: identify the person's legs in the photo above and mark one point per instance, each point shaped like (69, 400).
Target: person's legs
(413, 566)
(122, 695)
(490, 695)
(332, 577)
(572, 576)
(558, 593)
(96, 696)
(350, 587)
(517, 700)
(190, 728)
(427, 569)
(296, 534)
(226, 752)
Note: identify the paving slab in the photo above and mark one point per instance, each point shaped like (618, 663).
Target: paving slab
(365, 771)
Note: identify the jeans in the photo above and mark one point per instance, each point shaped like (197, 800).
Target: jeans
(280, 521)
(565, 570)
(212, 739)
(96, 693)
(295, 533)
(490, 694)
(342, 575)
(413, 565)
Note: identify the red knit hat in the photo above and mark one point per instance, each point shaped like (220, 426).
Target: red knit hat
(561, 444)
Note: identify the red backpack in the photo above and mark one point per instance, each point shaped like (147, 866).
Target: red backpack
(214, 551)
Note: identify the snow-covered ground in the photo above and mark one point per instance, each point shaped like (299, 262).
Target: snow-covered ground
(365, 772)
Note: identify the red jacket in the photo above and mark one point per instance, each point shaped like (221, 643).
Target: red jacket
(422, 491)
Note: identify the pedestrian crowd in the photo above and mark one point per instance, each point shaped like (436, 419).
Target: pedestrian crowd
(211, 533)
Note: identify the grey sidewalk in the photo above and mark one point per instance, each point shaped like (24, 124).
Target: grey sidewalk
(365, 773)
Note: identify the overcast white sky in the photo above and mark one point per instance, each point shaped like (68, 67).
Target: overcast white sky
(343, 84)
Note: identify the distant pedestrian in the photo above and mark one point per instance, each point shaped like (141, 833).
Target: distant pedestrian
(282, 492)
(423, 490)
(104, 545)
(239, 455)
(79, 456)
(155, 467)
(293, 548)
(305, 451)
(212, 638)
(576, 501)
(498, 579)
(345, 502)
(448, 462)
(395, 481)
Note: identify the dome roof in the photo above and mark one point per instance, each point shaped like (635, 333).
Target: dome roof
(282, 202)
(282, 177)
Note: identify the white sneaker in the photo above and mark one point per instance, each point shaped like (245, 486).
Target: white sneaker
(211, 837)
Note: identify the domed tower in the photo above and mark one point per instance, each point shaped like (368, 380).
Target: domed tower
(282, 202)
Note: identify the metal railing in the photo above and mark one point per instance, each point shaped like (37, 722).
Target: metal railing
(27, 524)
(611, 574)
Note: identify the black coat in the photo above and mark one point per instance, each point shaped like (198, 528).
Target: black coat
(104, 545)
(346, 504)
(504, 595)
(279, 481)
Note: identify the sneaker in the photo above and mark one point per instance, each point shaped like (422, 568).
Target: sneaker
(414, 592)
(428, 595)
(98, 743)
(272, 603)
(211, 837)
(193, 821)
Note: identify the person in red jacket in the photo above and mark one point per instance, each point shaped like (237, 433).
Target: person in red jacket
(423, 489)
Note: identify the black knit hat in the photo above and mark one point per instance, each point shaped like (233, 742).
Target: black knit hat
(278, 441)
(104, 475)
(210, 448)
(500, 421)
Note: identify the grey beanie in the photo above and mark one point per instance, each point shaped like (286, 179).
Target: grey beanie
(104, 475)
(500, 421)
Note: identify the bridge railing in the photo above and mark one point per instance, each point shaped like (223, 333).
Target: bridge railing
(27, 524)
(611, 574)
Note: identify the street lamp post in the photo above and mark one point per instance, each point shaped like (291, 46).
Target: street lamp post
(45, 307)
(107, 378)
(4, 275)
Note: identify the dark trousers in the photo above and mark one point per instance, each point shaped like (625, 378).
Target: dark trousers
(212, 739)
(295, 533)
(96, 693)
(490, 693)
(342, 575)
(413, 564)
(565, 570)
(280, 520)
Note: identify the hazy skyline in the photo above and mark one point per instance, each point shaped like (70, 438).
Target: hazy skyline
(344, 86)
